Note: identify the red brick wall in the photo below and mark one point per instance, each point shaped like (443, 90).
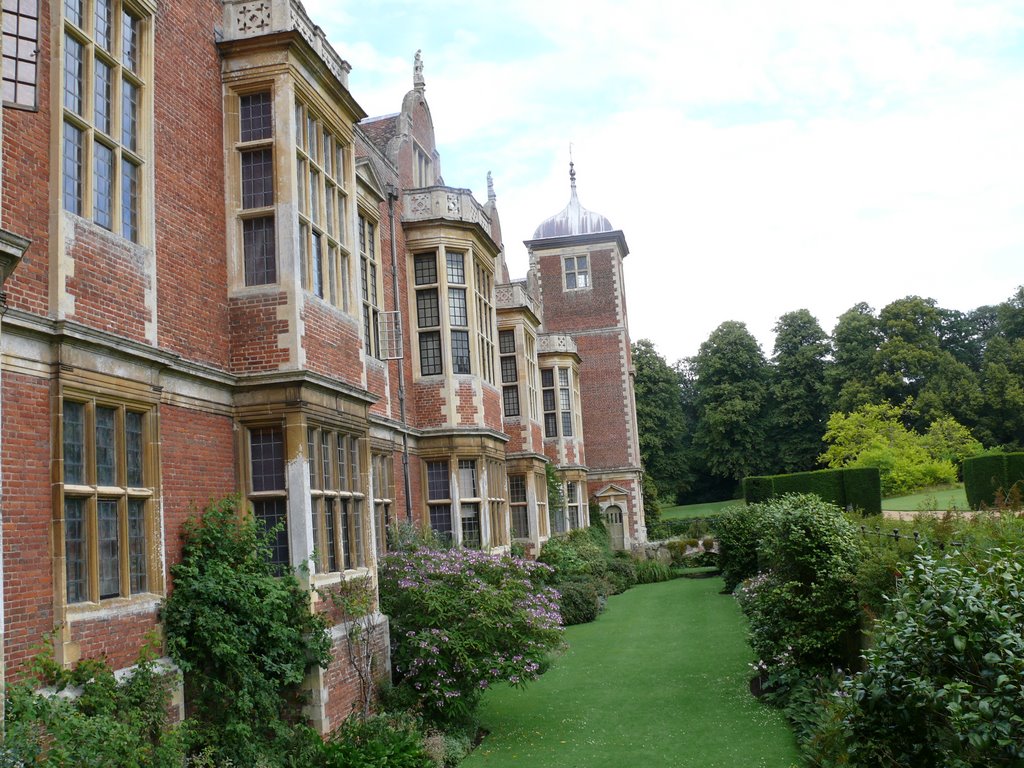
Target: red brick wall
(26, 204)
(118, 637)
(568, 311)
(110, 281)
(254, 333)
(342, 680)
(332, 344)
(28, 575)
(189, 145)
(602, 395)
(427, 404)
(197, 458)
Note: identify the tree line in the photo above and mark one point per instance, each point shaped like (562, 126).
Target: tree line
(707, 421)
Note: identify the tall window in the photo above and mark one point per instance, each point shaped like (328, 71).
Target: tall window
(540, 481)
(458, 312)
(558, 399)
(573, 504)
(20, 45)
(322, 205)
(108, 497)
(336, 499)
(577, 272)
(256, 155)
(106, 44)
(267, 488)
(484, 321)
(444, 283)
(428, 313)
(517, 502)
(383, 494)
(509, 372)
(369, 285)
(469, 503)
(496, 503)
(439, 499)
(531, 373)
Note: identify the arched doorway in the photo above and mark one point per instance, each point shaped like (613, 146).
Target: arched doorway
(613, 520)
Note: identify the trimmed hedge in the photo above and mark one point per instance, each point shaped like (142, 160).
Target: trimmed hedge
(859, 488)
(987, 475)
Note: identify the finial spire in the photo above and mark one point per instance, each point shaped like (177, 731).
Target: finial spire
(491, 197)
(417, 72)
(572, 169)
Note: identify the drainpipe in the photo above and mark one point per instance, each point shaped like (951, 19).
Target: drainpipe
(392, 192)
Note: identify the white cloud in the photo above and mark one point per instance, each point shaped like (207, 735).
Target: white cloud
(760, 157)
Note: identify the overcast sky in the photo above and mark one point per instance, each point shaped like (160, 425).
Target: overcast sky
(760, 157)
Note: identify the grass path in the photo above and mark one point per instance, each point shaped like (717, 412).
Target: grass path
(659, 680)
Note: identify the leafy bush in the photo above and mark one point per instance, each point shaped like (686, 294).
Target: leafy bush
(243, 635)
(738, 530)
(621, 574)
(803, 602)
(393, 740)
(107, 724)
(944, 681)
(579, 601)
(462, 620)
(651, 571)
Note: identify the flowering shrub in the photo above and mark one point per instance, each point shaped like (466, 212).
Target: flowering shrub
(464, 620)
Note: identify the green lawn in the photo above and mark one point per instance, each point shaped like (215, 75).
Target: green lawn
(659, 680)
(687, 511)
(941, 499)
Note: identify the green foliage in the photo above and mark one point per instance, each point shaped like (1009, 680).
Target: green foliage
(379, 740)
(738, 530)
(943, 680)
(854, 488)
(732, 393)
(874, 436)
(462, 620)
(104, 724)
(662, 424)
(556, 496)
(579, 601)
(620, 575)
(796, 417)
(651, 571)
(243, 636)
(802, 604)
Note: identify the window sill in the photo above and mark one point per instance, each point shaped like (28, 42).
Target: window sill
(114, 607)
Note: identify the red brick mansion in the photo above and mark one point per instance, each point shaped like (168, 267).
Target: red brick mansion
(221, 276)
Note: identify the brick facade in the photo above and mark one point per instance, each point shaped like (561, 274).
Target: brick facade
(191, 353)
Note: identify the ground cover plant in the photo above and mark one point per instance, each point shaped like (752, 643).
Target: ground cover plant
(659, 679)
(103, 724)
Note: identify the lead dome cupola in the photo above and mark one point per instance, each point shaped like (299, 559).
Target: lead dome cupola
(574, 219)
